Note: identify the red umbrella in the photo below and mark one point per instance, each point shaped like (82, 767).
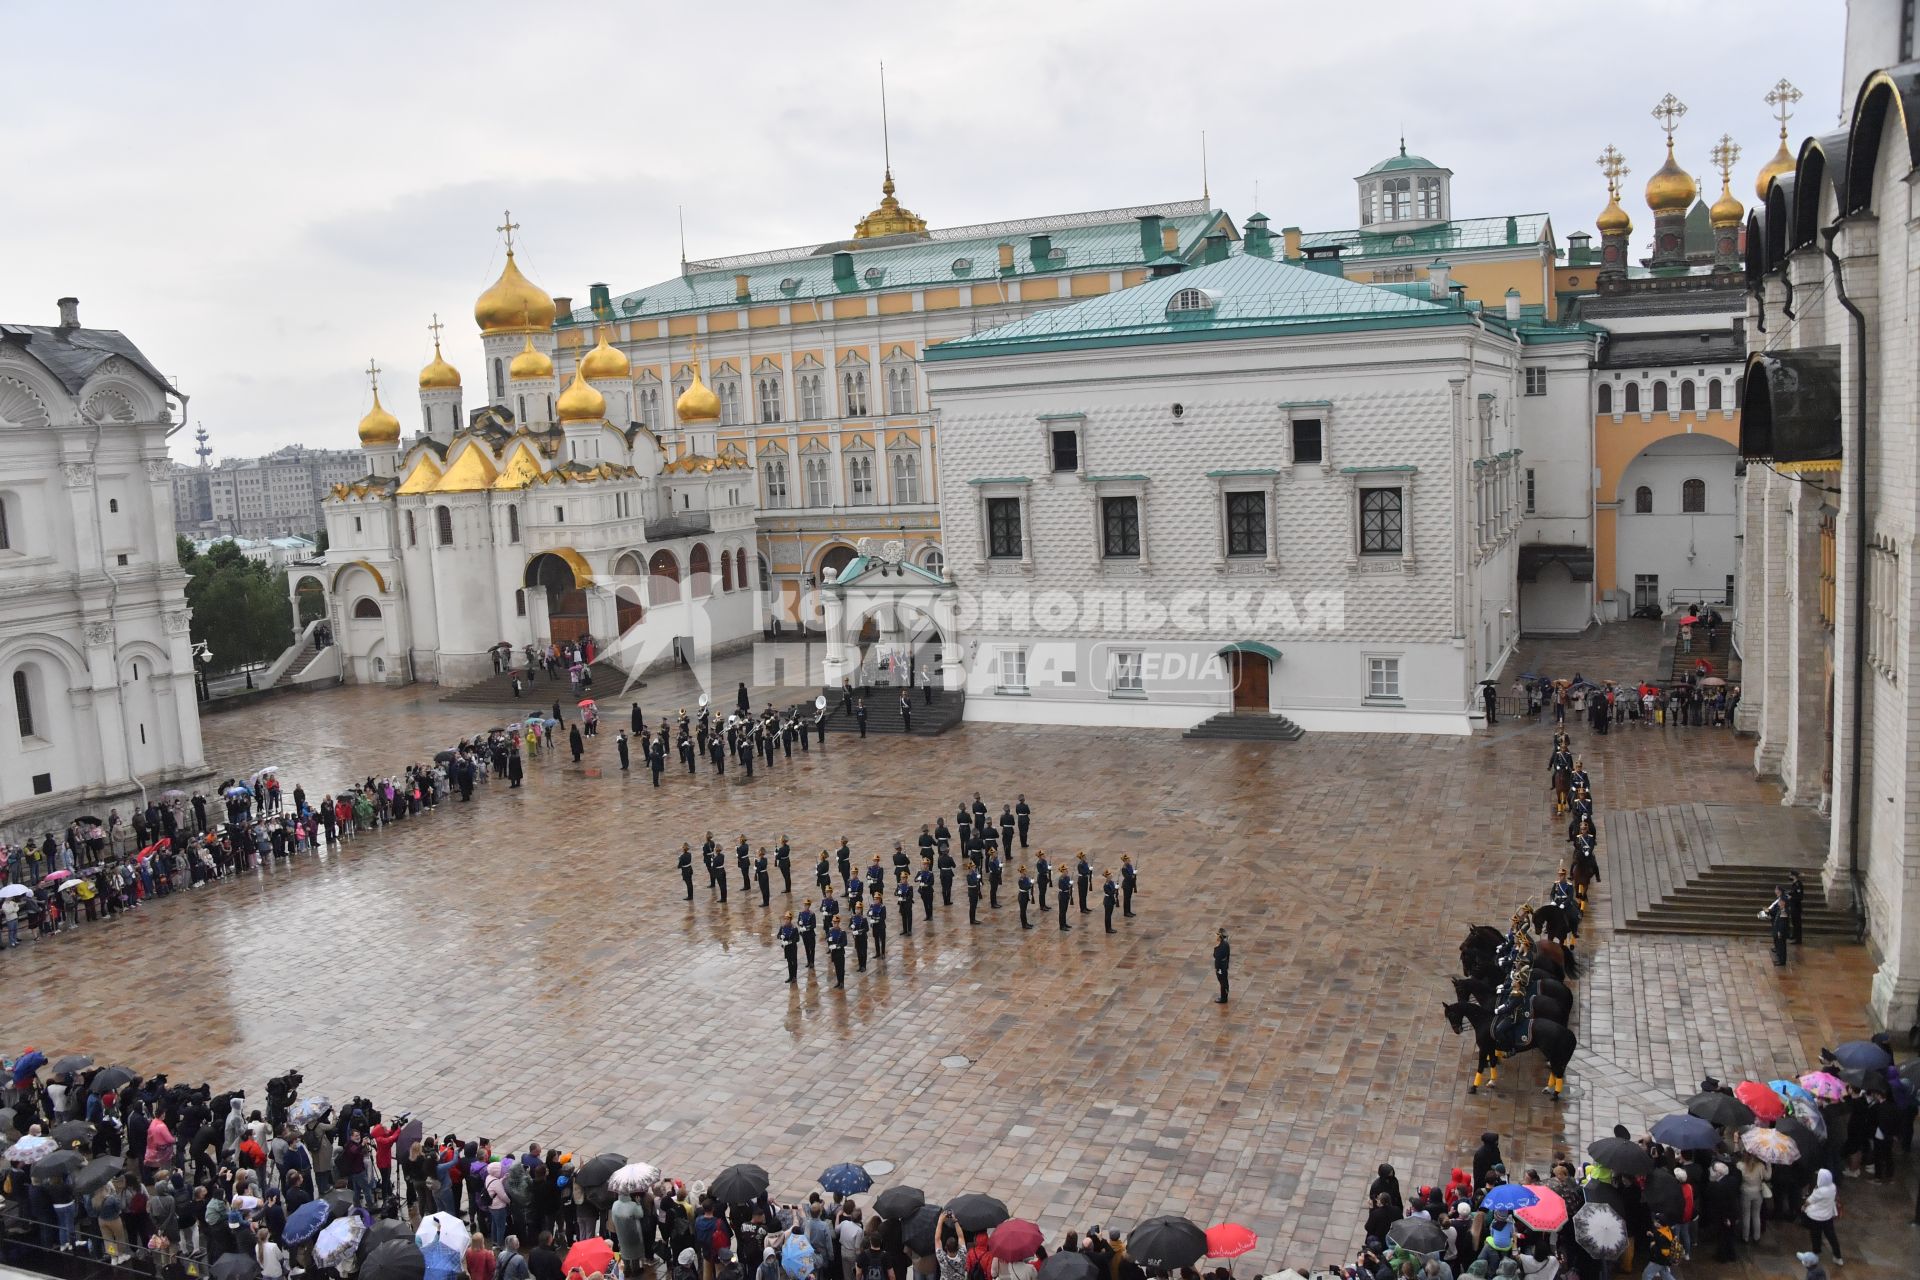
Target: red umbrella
(586, 702)
(592, 1255)
(1230, 1240)
(1015, 1240)
(1548, 1213)
(1764, 1102)
(1689, 620)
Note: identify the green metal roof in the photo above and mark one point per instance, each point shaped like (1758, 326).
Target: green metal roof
(1108, 239)
(867, 566)
(1462, 234)
(1403, 161)
(1249, 293)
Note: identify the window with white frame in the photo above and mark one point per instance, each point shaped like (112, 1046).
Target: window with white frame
(1536, 379)
(1383, 679)
(1120, 527)
(1247, 524)
(813, 404)
(767, 387)
(1003, 529)
(1308, 442)
(649, 407)
(1013, 668)
(900, 388)
(728, 389)
(1529, 490)
(1124, 671)
(775, 470)
(860, 478)
(853, 386)
(1382, 510)
(935, 562)
(817, 469)
(906, 476)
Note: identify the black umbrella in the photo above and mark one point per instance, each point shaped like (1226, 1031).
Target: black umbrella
(1802, 1134)
(593, 1175)
(61, 1164)
(1417, 1235)
(739, 1184)
(240, 1266)
(339, 1202)
(398, 1259)
(87, 817)
(1597, 1192)
(899, 1203)
(976, 1212)
(73, 1133)
(70, 1063)
(99, 1172)
(1863, 1055)
(110, 1079)
(1721, 1110)
(1069, 1265)
(1663, 1195)
(380, 1233)
(1622, 1156)
(918, 1230)
(443, 756)
(1864, 1080)
(1166, 1243)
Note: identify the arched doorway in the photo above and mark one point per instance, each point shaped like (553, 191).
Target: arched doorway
(1250, 676)
(310, 600)
(566, 595)
(663, 572)
(1675, 534)
(832, 561)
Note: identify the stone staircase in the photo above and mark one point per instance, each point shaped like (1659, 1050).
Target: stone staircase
(1231, 726)
(930, 720)
(1726, 663)
(1710, 869)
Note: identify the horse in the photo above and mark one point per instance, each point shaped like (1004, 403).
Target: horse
(1486, 981)
(1585, 869)
(1539, 1004)
(1482, 939)
(1556, 922)
(1547, 952)
(1560, 781)
(1483, 943)
(1553, 1040)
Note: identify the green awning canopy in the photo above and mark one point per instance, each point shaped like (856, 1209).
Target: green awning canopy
(1266, 651)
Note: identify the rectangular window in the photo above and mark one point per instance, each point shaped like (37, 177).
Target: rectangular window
(1013, 669)
(1383, 678)
(1066, 450)
(1003, 528)
(1536, 380)
(520, 603)
(811, 405)
(1646, 591)
(1729, 591)
(1247, 524)
(1120, 528)
(1307, 444)
(1529, 490)
(1380, 522)
(1125, 673)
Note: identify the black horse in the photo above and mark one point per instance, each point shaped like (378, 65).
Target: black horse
(1554, 1042)
(1556, 922)
(1482, 947)
(1539, 1003)
(1482, 984)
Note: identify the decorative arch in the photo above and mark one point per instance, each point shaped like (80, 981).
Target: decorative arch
(1756, 248)
(1886, 97)
(1822, 168)
(1606, 397)
(1780, 204)
(372, 572)
(699, 572)
(726, 571)
(1660, 397)
(835, 556)
(1632, 397)
(663, 577)
(575, 562)
(21, 403)
(366, 609)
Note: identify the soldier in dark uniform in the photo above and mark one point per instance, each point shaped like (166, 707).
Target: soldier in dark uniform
(941, 835)
(1083, 872)
(790, 944)
(783, 862)
(809, 927)
(902, 864)
(923, 879)
(843, 857)
(1065, 888)
(657, 759)
(1109, 896)
(947, 868)
(1007, 824)
(1023, 814)
(1043, 878)
(686, 867)
(836, 939)
(876, 878)
(786, 747)
(820, 728)
(926, 841)
(620, 742)
(1779, 924)
(860, 715)
(823, 872)
(1796, 904)
(906, 714)
(857, 925)
(963, 818)
(829, 906)
(1024, 885)
(973, 894)
(1222, 957)
(903, 895)
(877, 918)
(979, 807)
(743, 858)
(685, 745)
(766, 881)
(996, 873)
(1129, 879)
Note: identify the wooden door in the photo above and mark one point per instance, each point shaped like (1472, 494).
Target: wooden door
(1250, 672)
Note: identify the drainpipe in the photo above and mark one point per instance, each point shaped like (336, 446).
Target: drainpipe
(1859, 446)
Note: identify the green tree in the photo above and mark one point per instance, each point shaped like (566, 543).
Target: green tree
(239, 606)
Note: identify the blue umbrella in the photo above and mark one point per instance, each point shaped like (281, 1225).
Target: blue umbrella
(1686, 1133)
(796, 1257)
(442, 1262)
(26, 1064)
(846, 1180)
(1509, 1196)
(304, 1223)
(1863, 1055)
(1791, 1091)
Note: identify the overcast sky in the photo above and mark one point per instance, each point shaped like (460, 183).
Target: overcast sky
(265, 196)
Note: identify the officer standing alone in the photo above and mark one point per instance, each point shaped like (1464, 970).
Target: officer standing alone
(1222, 957)
(1778, 924)
(686, 868)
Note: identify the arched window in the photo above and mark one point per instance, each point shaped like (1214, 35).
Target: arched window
(1606, 397)
(900, 389)
(1686, 397)
(1713, 394)
(1633, 397)
(366, 607)
(23, 703)
(1739, 389)
(513, 523)
(499, 380)
(769, 389)
(664, 577)
(766, 574)
(906, 477)
(443, 525)
(855, 383)
(935, 562)
(1643, 501)
(1659, 397)
(699, 571)
(726, 572)
(413, 534)
(812, 403)
(740, 567)
(1693, 496)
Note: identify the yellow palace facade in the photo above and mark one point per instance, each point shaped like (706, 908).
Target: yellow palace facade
(815, 354)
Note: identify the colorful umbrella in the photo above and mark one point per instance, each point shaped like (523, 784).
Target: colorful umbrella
(1766, 1104)
(585, 702)
(1548, 1212)
(1770, 1145)
(1601, 1230)
(592, 1255)
(638, 1177)
(304, 1223)
(31, 1150)
(339, 1239)
(1788, 1089)
(1507, 1197)
(1015, 1240)
(1229, 1240)
(1827, 1088)
(796, 1256)
(307, 1110)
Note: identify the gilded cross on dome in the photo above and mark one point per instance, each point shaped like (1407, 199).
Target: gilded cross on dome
(509, 226)
(1781, 98)
(435, 328)
(373, 376)
(1614, 166)
(1668, 112)
(1725, 154)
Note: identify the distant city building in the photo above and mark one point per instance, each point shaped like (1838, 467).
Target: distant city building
(266, 497)
(276, 553)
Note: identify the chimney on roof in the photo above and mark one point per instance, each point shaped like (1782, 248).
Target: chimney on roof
(1325, 259)
(69, 313)
(1290, 239)
(1149, 236)
(1169, 239)
(601, 301)
(1513, 304)
(843, 268)
(1437, 278)
(1006, 256)
(742, 289)
(1216, 248)
(1513, 230)
(562, 308)
(1259, 241)
(1040, 247)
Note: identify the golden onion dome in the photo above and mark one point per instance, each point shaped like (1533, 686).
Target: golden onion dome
(697, 404)
(1726, 211)
(580, 402)
(1671, 189)
(513, 304)
(439, 376)
(1782, 163)
(605, 361)
(1613, 220)
(379, 427)
(531, 363)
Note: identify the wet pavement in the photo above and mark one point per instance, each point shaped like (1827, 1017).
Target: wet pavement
(525, 967)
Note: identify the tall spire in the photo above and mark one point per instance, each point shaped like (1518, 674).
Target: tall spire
(1206, 195)
(886, 139)
(890, 218)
